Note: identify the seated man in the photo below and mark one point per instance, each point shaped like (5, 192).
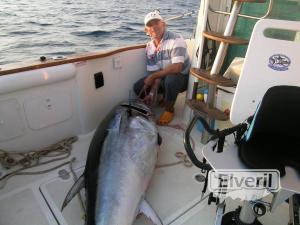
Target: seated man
(167, 65)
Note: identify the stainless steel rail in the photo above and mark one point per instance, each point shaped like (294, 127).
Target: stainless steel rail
(271, 2)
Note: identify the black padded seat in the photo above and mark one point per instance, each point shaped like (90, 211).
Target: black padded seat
(273, 139)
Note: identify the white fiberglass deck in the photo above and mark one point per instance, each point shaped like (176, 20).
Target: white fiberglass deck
(173, 192)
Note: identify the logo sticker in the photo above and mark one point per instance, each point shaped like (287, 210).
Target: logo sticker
(279, 62)
(243, 184)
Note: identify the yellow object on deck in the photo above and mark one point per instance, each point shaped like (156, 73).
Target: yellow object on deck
(200, 97)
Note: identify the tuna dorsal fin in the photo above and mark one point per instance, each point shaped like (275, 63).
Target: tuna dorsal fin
(75, 189)
(149, 212)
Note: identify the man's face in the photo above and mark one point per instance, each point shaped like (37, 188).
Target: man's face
(155, 28)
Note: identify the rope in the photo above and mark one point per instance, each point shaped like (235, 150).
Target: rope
(188, 209)
(179, 154)
(32, 159)
(183, 159)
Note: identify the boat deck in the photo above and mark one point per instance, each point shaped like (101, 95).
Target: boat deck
(174, 192)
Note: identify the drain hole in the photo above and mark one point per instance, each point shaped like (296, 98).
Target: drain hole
(63, 174)
(199, 178)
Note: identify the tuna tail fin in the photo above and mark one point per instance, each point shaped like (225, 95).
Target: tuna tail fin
(149, 212)
(75, 189)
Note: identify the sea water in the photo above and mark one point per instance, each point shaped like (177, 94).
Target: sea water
(30, 29)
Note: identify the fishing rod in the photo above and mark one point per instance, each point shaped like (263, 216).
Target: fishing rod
(181, 15)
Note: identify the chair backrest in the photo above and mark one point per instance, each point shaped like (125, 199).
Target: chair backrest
(272, 140)
(278, 116)
(268, 62)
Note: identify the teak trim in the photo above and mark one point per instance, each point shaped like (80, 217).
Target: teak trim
(20, 67)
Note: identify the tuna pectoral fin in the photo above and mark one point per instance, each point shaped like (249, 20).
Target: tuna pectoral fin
(149, 212)
(75, 189)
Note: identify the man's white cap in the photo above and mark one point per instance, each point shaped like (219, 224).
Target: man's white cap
(151, 16)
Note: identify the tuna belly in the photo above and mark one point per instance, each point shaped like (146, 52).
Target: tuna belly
(119, 193)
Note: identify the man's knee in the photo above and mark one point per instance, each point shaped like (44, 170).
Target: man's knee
(171, 80)
(175, 82)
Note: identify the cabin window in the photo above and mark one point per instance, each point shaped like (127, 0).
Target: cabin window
(282, 34)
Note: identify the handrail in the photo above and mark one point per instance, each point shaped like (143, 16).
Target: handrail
(187, 143)
(270, 7)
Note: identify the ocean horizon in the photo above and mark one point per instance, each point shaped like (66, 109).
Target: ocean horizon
(30, 29)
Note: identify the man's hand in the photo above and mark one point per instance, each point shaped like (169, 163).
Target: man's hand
(150, 99)
(149, 81)
(172, 69)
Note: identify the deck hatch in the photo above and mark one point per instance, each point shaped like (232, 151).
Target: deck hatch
(22, 208)
(47, 110)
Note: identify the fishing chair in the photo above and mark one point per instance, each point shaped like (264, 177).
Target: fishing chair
(266, 112)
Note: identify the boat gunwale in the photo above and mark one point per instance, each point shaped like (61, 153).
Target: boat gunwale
(20, 67)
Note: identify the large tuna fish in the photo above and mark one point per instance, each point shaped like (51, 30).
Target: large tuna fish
(120, 164)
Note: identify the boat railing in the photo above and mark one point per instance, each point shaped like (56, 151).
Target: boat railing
(271, 2)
